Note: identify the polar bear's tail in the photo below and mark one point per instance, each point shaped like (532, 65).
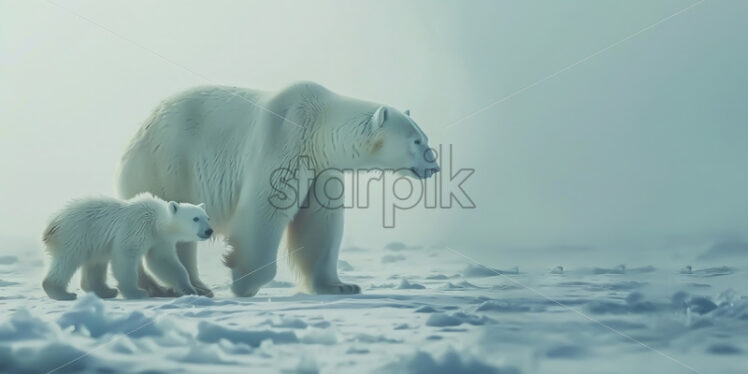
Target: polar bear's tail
(49, 233)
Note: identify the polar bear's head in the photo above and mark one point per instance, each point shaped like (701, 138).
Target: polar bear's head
(396, 142)
(189, 222)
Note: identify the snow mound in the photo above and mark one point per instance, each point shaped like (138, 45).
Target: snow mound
(88, 316)
(202, 354)
(620, 269)
(367, 338)
(291, 323)
(189, 301)
(634, 303)
(23, 326)
(405, 285)
(425, 309)
(459, 286)
(437, 277)
(56, 356)
(503, 307)
(456, 319)
(211, 333)
(449, 363)
(479, 271)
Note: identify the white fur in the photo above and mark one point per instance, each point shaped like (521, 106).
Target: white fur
(221, 145)
(90, 233)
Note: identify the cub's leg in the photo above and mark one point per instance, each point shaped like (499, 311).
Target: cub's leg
(313, 243)
(163, 262)
(93, 279)
(125, 270)
(187, 253)
(61, 269)
(154, 289)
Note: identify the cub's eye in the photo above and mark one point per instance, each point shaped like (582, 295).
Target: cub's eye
(196, 219)
(418, 141)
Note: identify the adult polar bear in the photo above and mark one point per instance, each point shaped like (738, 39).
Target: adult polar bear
(224, 145)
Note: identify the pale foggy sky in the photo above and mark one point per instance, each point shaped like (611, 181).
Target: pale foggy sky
(639, 146)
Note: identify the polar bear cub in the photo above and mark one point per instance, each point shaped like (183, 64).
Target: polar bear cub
(89, 233)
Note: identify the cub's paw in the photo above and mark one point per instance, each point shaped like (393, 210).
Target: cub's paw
(338, 289)
(56, 291)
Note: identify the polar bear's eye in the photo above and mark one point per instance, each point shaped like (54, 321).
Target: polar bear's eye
(418, 141)
(196, 219)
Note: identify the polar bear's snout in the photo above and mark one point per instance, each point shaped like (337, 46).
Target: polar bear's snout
(206, 234)
(428, 165)
(425, 173)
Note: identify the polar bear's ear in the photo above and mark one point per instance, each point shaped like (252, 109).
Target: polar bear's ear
(173, 207)
(378, 118)
(407, 112)
(201, 205)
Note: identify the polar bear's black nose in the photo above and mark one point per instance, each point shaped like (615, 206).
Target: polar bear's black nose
(208, 232)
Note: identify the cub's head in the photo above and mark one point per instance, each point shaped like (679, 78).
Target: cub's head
(190, 222)
(396, 142)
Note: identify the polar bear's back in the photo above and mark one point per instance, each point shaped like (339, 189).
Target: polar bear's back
(89, 226)
(196, 146)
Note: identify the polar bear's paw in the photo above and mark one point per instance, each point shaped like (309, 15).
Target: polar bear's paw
(57, 291)
(337, 289)
(204, 291)
(186, 291)
(106, 292)
(136, 293)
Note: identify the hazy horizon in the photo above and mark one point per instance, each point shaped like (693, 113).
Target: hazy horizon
(619, 132)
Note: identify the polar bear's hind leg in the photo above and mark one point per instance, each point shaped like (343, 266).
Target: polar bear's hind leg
(93, 279)
(125, 271)
(60, 271)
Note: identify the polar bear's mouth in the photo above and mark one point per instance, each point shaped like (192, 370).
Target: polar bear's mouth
(427, 172)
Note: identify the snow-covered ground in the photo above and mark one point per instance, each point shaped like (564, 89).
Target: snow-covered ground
(423, 310)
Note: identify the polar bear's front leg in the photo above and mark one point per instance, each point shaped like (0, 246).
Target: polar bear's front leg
(317, 231)
(93, 279)
(187, 253)
(125, 270)
(254, 241)
(163, 262)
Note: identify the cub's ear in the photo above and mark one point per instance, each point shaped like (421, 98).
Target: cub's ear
(201, 206)
(378, 118)
(407, 112)
(173, 206)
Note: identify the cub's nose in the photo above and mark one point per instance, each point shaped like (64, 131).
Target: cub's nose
(208, 232)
